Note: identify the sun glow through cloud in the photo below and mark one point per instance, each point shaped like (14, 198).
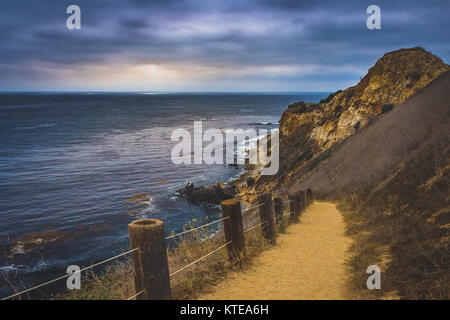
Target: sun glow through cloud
(219, 45)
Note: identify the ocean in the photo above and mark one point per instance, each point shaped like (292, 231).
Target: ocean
(70, 162)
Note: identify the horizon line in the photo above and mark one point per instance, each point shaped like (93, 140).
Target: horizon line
(150, 92)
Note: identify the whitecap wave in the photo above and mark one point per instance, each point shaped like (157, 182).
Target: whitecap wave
(23, 268)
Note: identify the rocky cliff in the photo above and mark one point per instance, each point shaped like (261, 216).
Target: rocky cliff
(393, 79)
(310, 132)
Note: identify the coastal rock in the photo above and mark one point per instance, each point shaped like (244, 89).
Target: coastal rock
(140, 198)
(393, 79)
(213, 194)
(35, 240)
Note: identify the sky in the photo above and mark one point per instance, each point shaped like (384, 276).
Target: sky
(208, 45)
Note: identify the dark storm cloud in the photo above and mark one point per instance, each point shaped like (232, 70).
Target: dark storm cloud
(291, 43)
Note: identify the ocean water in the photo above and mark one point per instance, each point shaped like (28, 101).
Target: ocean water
(69, 160)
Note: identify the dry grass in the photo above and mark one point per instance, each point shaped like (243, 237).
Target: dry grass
(363, 252)
(400, 225)
(116, 282)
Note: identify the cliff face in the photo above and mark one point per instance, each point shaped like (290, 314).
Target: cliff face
(393, 79)
(309, 132)
(371, 158)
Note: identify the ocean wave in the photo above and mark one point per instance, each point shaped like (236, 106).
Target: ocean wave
(23, 268)
(264, 123)
(46, 125)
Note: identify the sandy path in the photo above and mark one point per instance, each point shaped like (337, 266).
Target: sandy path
(307, 263)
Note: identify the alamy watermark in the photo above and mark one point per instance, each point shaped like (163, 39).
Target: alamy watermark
(74, 20)
(73, 281)
(374, 280)
(222, 147)
(374, 20)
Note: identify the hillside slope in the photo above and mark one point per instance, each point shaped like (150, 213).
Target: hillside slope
(396, 136)
(309, 133)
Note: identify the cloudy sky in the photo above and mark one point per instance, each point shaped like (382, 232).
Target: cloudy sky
(208, 45)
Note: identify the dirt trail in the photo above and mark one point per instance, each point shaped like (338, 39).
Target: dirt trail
(307, 263)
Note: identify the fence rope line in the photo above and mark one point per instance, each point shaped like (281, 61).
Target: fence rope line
(259, 205)
(134, 296)
(205, 256)
(199, 227)
(255, 226)
(282, 216)
(247, 211)
(249, 214)
(269, 218)
(68, 275)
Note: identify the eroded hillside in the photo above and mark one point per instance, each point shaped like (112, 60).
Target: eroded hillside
(380, 148)
(310, 132)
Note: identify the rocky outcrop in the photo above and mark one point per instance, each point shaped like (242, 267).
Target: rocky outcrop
(310, 132)
(419, 125)
(213, 194)
(393, 79)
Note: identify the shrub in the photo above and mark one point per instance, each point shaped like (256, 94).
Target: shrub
(414, 76)
(387, 107)
(299, 106)
(330, 96)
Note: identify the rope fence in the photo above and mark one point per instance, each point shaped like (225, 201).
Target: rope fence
(197, 228)
(282, 216)
(135, 295)
(248, 209)
(70, 274)
(256, 226)
(200, 259)
(148, 242)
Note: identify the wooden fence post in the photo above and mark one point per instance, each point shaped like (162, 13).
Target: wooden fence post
(309, 196)
(301, 202)
(297, 206)
(266, 214)
(151, 272)
(292, 206)
(234, 229)
(278, 207)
